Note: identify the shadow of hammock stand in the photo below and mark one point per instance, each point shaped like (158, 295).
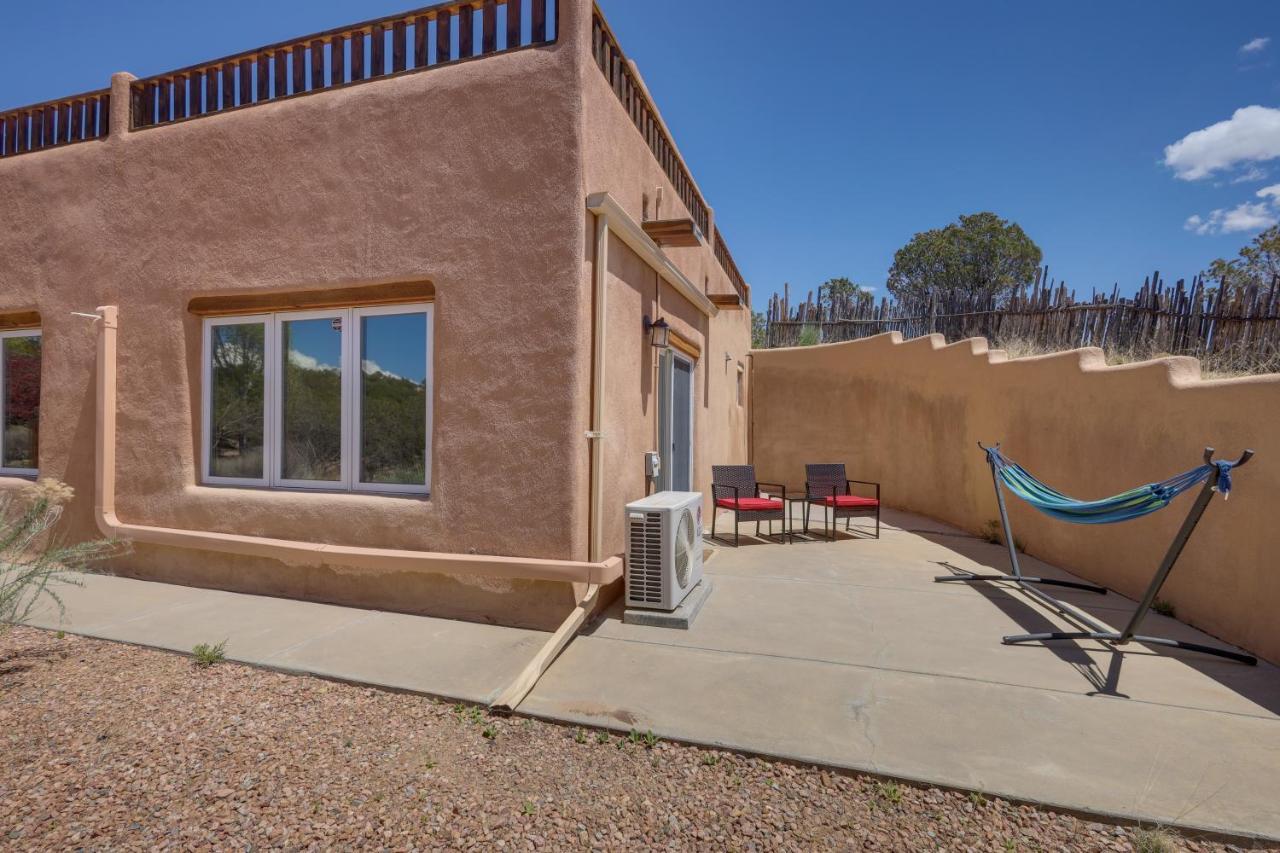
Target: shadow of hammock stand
(1129, 505)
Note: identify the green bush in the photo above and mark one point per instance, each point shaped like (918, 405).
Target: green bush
(207, 655)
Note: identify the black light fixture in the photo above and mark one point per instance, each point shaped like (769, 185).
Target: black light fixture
(659, 332)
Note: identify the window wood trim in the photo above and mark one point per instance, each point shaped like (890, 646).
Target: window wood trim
(272, 302)
(685, 345)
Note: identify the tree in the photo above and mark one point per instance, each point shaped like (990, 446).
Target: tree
(981, 255)
(836, 292)
(1257, 264)
(759, 330)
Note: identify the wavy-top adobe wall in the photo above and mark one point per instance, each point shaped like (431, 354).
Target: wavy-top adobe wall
(910, 414)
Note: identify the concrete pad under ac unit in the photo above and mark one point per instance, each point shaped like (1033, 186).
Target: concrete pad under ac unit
(682, 617)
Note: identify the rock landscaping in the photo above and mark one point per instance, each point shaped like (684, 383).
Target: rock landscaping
(110, 746)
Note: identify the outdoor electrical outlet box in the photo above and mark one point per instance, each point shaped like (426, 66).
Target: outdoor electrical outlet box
(652, 464)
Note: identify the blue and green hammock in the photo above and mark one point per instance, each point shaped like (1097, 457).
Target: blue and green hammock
(1134, 503)
(1213, 476)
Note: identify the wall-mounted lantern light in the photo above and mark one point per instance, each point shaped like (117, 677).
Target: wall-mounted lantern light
(659, 332)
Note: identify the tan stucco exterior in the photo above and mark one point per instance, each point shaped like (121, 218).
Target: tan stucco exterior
(469, 180)
(910, 414)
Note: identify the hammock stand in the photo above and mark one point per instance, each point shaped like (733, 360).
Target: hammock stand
(1216, 475)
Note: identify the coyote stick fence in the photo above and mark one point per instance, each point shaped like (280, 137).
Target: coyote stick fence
(1228, 327)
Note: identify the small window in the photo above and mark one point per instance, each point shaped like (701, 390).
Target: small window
(742, 384)
(20, 402)
(328, 399)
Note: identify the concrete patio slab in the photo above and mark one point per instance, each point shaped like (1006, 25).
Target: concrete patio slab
(442, 657)
(458, 660)
(850, 654)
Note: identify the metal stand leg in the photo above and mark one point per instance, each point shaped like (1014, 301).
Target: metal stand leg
(1114, 638)
(1017, 576)
(969, 576)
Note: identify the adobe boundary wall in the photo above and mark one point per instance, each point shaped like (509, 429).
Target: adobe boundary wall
(910, 414)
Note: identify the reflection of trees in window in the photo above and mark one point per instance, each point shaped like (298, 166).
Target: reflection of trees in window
(312, 423)
(393, 435)
(21, 406)
(238, 355)
(393, 403)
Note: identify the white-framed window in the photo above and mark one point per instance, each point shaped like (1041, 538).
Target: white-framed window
(20, 351)
(335, 398)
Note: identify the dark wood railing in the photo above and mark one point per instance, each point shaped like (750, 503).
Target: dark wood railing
(63, 121)
(397, 44)
(731, 269)
(612, 62)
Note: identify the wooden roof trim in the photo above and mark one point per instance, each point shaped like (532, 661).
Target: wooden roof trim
(673, 232)
(729, 301)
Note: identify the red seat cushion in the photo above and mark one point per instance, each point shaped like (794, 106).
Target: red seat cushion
(749, 504)
(851, 502)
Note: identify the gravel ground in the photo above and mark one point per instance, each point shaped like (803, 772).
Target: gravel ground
(108, 746)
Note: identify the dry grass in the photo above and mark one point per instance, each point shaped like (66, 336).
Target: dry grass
(1223, 365)
(108, 746)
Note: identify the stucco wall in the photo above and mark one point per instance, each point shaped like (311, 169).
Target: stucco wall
(617, 160)
(465, 176)
(910, 415)
(471, 178)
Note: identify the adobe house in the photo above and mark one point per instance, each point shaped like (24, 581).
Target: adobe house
(368, 316)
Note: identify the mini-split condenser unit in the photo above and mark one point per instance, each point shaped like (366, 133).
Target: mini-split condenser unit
(664, 549)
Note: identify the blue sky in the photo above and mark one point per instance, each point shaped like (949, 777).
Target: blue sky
(826, 139)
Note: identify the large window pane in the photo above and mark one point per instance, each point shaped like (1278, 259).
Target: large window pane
(237, 356)
(393, 399)
(21, 404)
(311, 440)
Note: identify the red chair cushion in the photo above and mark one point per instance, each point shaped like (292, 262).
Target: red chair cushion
(749, 504)
(851, 501)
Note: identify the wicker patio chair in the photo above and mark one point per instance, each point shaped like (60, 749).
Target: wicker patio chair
(827, 486)
(735, 487)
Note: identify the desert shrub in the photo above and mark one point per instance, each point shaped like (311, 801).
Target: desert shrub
(34, 560)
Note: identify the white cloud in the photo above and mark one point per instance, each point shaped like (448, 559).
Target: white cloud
(1250, 175)
(371, 367)
(307, 362)
(1256, 45)
(1246, 216)
(1251, 135)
